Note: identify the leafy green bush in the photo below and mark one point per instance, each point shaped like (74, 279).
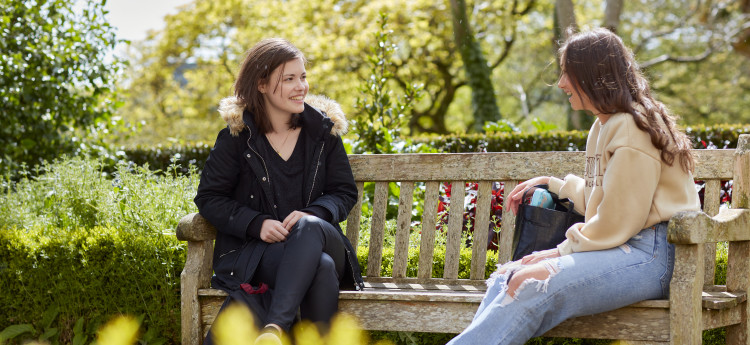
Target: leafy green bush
(78, 245)
(717, 136)
(76, 193)
(55, 82)
(83, 277)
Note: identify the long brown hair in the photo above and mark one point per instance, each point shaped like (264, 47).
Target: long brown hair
(600, 65)
(260, 62)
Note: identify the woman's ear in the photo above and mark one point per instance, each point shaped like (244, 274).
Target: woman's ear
(262, 86)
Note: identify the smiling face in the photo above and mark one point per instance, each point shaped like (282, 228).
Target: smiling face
(285, 89)
(578, 100)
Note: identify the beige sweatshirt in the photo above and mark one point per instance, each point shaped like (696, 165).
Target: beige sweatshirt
(626, 187)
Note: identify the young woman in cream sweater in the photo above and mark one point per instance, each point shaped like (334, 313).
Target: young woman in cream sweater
(637, 175)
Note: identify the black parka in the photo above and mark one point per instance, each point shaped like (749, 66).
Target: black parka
(235, 187)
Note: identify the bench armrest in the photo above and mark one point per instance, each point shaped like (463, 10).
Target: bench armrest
(193, 227)
(697, 227)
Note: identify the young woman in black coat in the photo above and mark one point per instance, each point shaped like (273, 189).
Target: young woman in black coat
(275, 186)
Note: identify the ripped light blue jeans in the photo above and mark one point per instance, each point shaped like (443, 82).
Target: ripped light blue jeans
(577, 284)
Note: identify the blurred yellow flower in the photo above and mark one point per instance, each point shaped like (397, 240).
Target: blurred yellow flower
(235, 326)
(123, 330)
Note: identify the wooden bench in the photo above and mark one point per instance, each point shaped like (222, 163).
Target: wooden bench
(447, 304)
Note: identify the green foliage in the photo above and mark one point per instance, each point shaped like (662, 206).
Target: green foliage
(88, 275)
(499, 138)
(78, 245)
(703, 136)
(56, 80)
(75, 193)
(183, 158)
(380, 114)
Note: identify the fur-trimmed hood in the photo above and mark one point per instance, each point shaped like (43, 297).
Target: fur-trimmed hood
(231, 109)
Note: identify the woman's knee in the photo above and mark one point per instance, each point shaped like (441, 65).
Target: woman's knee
(539, 272)
(326, 263)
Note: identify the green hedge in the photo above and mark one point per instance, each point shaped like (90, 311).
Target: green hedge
(80, 279)
(438, 262)
(720, 136)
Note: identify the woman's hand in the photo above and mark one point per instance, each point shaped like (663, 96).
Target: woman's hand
(292, 219)
(539, 256)
(517, 193)
(273, 231)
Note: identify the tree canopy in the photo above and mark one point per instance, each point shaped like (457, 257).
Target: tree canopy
(179, 74)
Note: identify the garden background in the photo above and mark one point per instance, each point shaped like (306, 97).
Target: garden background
(100, 153)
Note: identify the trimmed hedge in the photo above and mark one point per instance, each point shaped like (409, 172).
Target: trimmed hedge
(717, 136)
(82, 278)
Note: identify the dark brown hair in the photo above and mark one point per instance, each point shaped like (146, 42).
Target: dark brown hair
(600, 65)
(260, 62)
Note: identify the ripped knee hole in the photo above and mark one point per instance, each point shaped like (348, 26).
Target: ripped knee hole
(540, 272)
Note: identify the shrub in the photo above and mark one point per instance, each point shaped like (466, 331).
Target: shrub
(86, 275)
(55, 82)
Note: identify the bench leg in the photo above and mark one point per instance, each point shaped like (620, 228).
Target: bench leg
(686, 290)
(738, 278)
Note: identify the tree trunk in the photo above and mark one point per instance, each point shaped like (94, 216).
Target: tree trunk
(612, 13)
(742, 44)
(478, 73)
(566, 16)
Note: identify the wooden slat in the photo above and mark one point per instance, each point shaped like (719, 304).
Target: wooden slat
(352, 221)
(427, 241)
(500, 166)
(482, 221)
(632, 323)
(381, 281)
(377, 230)
(401, 248)
(496, 166)
(711, 197)
(711, 201)
(455, 224)
(714, 164)
(507, 229)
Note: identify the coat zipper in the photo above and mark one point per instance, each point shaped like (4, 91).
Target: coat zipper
(315, 176)
(268, 176)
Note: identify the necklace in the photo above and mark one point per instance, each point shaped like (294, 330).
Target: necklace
(288, 132)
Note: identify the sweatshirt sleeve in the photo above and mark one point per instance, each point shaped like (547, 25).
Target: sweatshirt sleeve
(572, 187)
(629, 183)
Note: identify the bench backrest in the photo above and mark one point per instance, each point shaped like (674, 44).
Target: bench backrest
(509, 168)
